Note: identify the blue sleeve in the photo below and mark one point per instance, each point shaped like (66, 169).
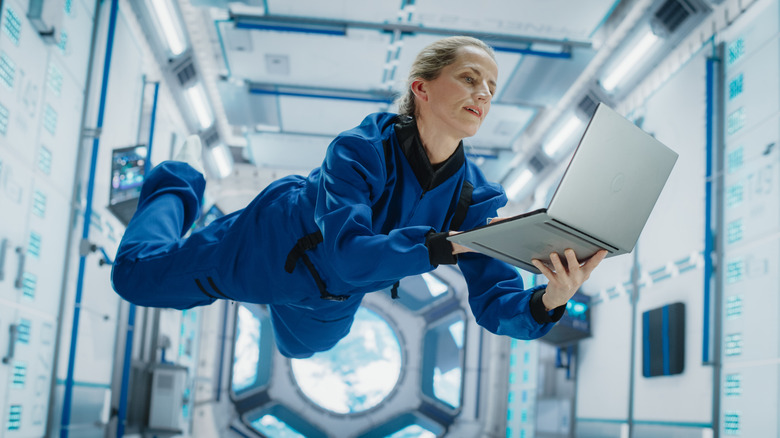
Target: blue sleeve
(497, 296)
(353, 178)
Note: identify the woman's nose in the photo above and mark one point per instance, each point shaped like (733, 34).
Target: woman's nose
(483, 91)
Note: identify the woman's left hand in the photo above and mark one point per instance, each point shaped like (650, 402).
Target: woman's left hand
(564, 281)
(458, 249)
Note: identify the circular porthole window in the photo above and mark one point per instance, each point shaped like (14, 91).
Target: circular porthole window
(358, 373)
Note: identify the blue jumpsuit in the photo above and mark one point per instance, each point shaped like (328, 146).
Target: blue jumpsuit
(369, 207)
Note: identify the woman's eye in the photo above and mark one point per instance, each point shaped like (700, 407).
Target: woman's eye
(469, 79)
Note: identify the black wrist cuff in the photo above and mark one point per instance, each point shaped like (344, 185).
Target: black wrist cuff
(440, 249)
(538, 311)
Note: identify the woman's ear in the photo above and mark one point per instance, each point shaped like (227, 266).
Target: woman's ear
(420, 89)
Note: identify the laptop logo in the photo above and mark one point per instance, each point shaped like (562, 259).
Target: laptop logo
(618, 182)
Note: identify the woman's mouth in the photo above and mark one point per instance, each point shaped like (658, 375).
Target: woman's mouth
(474, 110)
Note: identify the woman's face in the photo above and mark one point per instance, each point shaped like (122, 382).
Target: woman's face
(459, 98)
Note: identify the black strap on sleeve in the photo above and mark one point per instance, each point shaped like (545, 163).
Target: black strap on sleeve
(463, 206)
(305, 243)
(394, 290)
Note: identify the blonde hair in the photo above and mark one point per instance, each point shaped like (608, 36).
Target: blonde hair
(429, 63)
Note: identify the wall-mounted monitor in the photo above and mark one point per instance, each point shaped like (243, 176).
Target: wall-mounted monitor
(127, 177)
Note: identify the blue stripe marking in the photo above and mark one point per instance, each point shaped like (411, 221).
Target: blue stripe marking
(601, 420)
(531, 52)
(67, 400)
(289, 28)
(646, 344)
(120, 427)
(665, 337)
(222, 44)
(86, 384)
(222, 350)
(320, 96)
(673, 424)
(148, 164)
(708, 235)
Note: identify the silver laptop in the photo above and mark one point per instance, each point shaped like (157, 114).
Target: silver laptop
(602, 202)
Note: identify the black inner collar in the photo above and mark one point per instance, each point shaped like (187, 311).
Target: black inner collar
(429, 176)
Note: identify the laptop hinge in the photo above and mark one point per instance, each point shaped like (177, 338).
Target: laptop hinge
(580, 235)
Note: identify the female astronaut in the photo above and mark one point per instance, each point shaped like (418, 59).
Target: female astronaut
(379, 209)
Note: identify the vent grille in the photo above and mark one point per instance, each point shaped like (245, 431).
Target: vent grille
(588, 105)
(211, 138)
(186, 72)
(673, 13)
(536, 164)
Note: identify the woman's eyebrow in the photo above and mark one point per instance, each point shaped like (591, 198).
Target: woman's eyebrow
(478, 72)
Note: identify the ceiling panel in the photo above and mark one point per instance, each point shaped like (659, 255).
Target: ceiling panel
(553, 19)
(502, 125)
(544, 81)
(323, 116)
(375, 11)
(354, 61)
(246, 109)
(288, 151)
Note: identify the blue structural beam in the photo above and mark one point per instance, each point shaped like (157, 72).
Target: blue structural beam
(708, 233)
(122, 414)
(67, 401)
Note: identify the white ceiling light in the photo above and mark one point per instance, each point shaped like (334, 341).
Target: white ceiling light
(168, 25)
(561, 137)
(197, 98)
(624, 65)
(517, 185)
(222, 159)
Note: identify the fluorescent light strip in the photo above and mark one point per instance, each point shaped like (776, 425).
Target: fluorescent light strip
(170, 25)
(197, 98)
(564, 134)
(222, 160)
(629, 61)
(518, 184)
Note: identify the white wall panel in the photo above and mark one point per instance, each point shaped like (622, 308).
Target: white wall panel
(73, 53)
(685, 397)
(36, 356)
(15, 197)
(675, 115)
(752, 185)
(60, 129)
(8, 317)
(22, 89)
(753, 90)
(604, 363)
(750, 347)
(51, 227)
(749, 402)
(752, 283)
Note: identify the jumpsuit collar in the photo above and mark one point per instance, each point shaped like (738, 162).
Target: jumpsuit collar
(409, 139)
